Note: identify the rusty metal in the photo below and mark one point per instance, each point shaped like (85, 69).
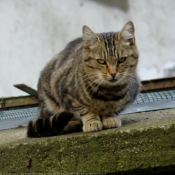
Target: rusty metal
(158, 84)
(9, 102)
(26, 89)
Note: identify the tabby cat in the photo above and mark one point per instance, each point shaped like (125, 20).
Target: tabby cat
(88, 84)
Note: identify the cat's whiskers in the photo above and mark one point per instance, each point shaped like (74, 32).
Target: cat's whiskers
(132, 80)
(95, 86)
(122, 74)
(86, 89)
(100, 83)
(93, 83)
(87, 77)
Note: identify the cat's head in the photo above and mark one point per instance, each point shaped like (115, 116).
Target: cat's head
(111, 56)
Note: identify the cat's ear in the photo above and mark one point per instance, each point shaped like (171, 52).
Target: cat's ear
(127, 33)
(90, 38)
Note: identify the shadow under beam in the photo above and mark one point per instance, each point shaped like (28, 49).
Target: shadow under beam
(123, 5)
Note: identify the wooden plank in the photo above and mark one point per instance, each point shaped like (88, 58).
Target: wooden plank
(9, 102)
(26, 89)
(158, 84)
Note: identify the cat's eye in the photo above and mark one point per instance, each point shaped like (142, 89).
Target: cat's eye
(101, 61)
(121, 60)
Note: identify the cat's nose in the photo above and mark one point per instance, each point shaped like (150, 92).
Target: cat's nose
(113, 75)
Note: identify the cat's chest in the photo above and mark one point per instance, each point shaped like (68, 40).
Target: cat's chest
(107, 100)
(103, 101)
(105, 107)
(99, 107)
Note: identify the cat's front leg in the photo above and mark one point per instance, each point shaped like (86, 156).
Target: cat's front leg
(111, 121)
(91, 122)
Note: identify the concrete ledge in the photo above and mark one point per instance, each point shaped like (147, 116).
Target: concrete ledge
(145, 144)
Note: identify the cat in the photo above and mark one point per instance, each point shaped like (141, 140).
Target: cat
(88, 84)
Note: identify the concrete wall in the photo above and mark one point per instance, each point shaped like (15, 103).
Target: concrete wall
(33, 31)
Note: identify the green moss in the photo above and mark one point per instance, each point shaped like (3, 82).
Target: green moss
(106, 151)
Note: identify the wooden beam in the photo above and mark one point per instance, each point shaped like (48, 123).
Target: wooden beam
(158, 84)
(9, 102)
(26, 89)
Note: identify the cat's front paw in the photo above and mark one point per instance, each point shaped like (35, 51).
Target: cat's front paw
(92, 126)
(111, 122)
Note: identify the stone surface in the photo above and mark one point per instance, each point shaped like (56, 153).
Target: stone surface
(144, 144)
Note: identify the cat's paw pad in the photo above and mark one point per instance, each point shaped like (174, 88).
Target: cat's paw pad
(111, 122)
(92, 126)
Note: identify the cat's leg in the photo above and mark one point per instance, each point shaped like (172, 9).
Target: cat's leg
(111, 121)
(91, 122)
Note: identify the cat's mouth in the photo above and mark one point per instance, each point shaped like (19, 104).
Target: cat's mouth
(113, 80)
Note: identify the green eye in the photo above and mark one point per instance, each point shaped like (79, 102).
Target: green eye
(101, 61)
(121, 60)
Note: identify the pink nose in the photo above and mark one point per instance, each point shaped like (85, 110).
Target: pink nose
(113, 75)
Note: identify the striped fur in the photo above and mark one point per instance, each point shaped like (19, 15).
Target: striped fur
(88, 84)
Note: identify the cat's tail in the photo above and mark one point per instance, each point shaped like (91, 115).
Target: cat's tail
(62, 123)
